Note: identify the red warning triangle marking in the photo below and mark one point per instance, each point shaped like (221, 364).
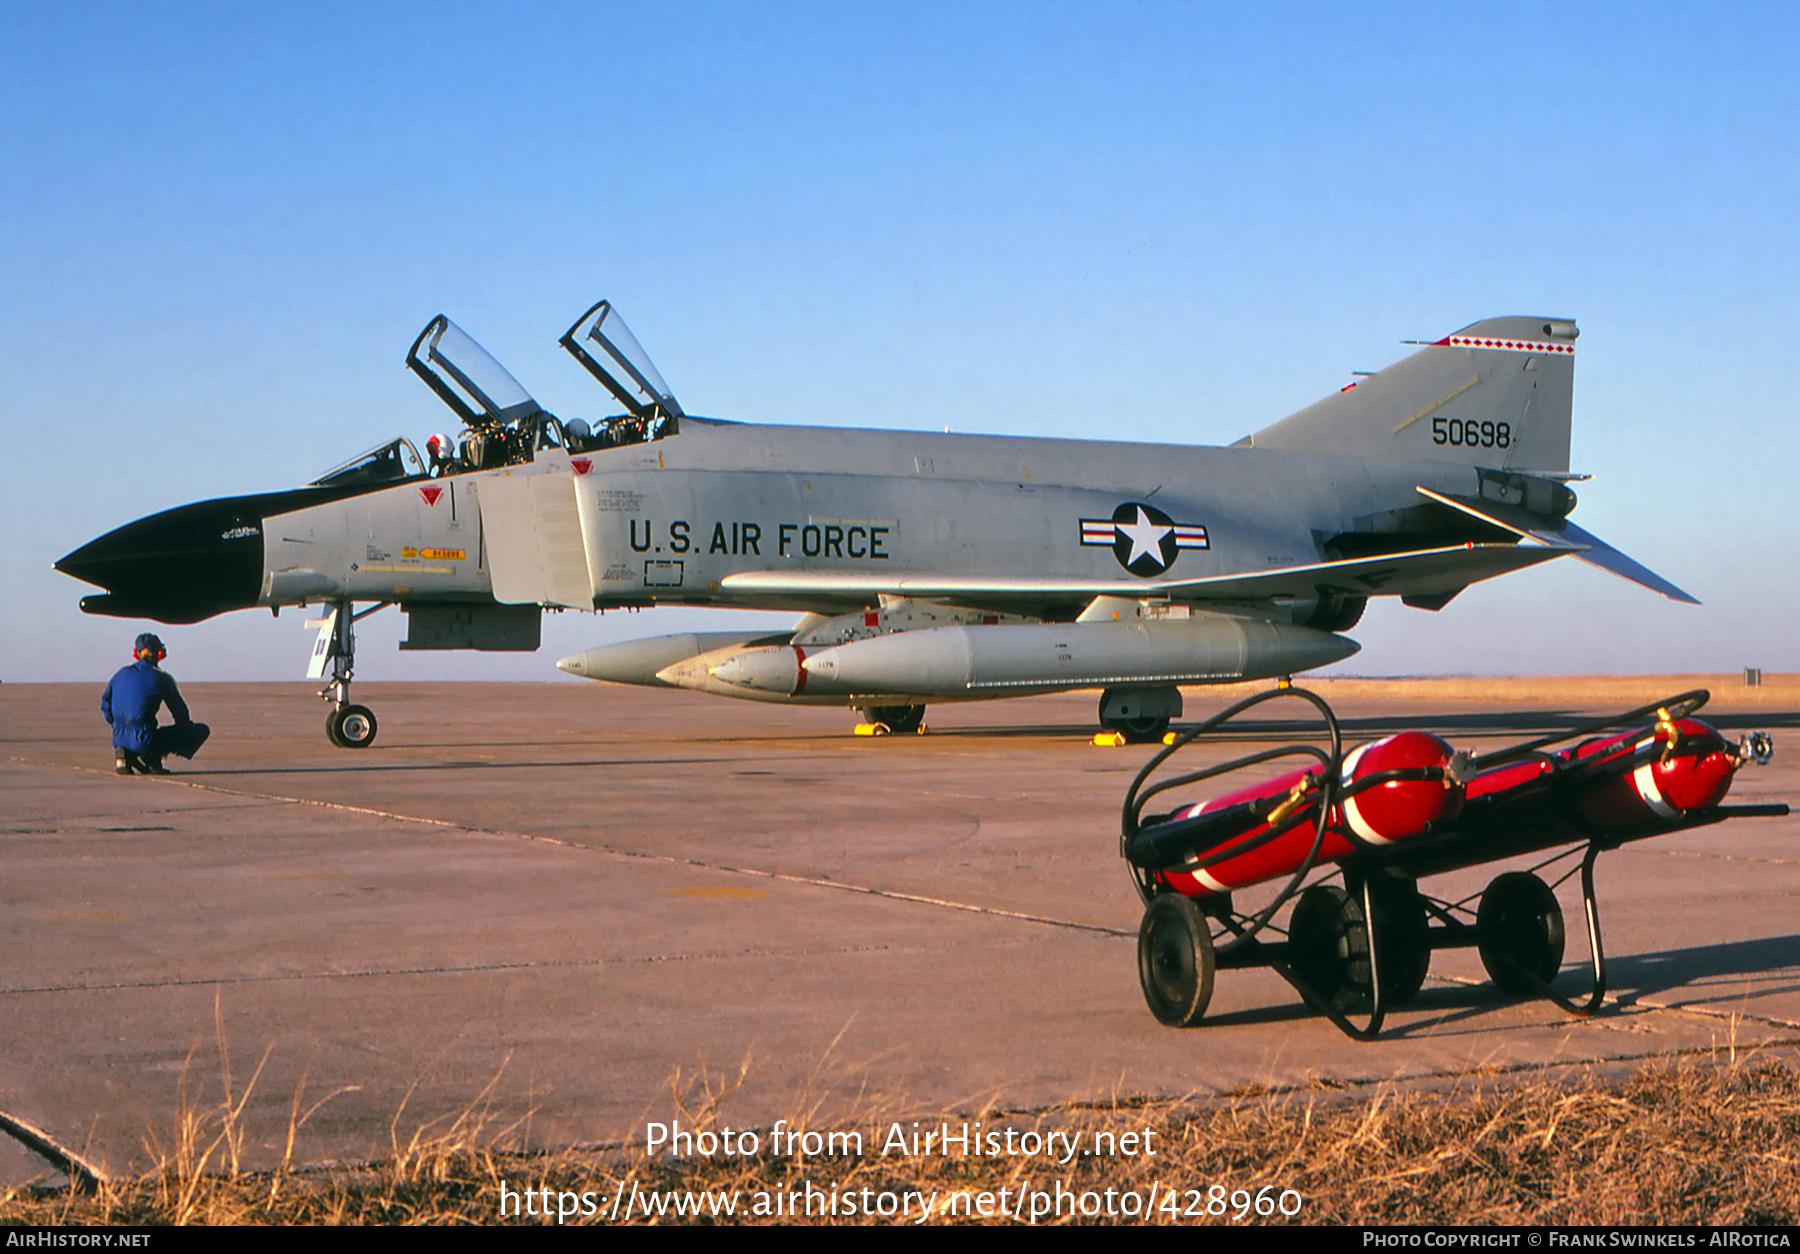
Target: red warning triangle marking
(581, 465)
(431, 494)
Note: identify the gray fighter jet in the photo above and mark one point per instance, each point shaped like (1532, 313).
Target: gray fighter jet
(927, 567)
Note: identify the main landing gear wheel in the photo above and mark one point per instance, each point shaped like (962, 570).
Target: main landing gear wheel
(351, 727)
(1131, 720)
(1145, 730)
(1140, 731)
(1175, 960)
(901, 720)
(1328, 946)
(1519, 931)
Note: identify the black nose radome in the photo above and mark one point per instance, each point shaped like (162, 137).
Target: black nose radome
(179, 566)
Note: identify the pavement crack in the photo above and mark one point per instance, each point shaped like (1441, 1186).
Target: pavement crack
(811, 881)
(550, 964)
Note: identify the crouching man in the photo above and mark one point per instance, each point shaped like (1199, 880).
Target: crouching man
(131, 702)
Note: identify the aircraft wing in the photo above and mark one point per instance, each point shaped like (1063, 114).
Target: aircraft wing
(1425, 572)
(1562, 534)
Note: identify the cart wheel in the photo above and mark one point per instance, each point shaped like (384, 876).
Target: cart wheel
(1404, 938)
(1328, 945)
(1519, 931)
(1175, 960)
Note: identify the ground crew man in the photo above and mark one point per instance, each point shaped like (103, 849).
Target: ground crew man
(131, 702)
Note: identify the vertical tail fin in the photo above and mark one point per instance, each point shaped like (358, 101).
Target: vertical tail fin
(1497, 393)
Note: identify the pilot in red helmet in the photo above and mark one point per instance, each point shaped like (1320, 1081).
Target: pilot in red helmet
(438, 449)
(131, 703)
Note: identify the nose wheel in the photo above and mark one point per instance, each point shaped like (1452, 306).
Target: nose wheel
(351, 727)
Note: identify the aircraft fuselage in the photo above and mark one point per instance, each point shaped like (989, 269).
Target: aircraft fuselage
(930, 566)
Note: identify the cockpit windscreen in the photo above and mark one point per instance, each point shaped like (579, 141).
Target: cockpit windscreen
(393, 462)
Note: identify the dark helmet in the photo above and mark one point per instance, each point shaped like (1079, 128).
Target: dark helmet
(150, 643)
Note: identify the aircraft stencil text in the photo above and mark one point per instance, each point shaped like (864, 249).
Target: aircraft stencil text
(857, 541)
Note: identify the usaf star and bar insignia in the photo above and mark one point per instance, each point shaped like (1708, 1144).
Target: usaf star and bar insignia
(1143, 538)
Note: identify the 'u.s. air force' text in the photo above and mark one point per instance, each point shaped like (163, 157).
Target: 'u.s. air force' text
(844, 538)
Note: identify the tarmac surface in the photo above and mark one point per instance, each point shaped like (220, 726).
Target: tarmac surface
(565, 910)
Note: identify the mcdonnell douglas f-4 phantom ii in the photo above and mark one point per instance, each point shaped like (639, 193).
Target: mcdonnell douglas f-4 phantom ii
(928, 567)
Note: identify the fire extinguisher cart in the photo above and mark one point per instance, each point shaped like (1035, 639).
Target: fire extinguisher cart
(1359, 937)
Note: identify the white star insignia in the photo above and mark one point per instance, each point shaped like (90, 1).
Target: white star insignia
(1145, 536)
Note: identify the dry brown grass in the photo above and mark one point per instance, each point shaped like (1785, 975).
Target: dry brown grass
(1700, 1140)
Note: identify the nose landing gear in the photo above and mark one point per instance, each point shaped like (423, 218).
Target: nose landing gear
(348, 726)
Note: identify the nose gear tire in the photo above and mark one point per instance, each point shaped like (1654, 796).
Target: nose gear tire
(351, 727)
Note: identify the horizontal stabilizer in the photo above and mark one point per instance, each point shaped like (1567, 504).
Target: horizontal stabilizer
(1562, 534)
(1423, 573)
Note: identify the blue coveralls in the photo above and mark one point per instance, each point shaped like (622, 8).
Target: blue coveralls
(131, 702)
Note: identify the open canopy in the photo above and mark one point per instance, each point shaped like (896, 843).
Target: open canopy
(466, 377)
(607, 349)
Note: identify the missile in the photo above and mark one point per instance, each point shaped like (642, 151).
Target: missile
(639, 661)
(772, 669)
(996, 661)
(758, 670)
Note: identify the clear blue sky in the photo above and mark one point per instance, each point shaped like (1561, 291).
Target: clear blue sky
(222, 224)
